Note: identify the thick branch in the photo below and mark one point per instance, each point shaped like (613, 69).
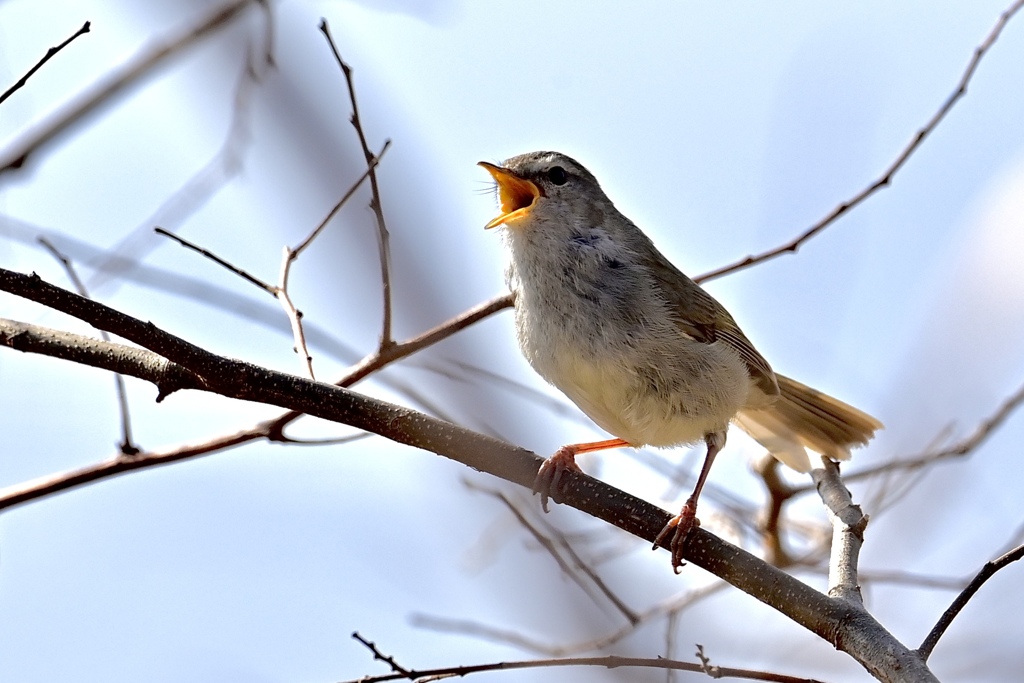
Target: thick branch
(126, 360)
(848, 629)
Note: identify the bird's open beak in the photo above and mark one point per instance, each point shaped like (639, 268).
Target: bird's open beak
(517, 194)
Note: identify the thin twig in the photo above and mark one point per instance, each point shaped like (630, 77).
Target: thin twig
(609, 662)
(375, 360)
(961, 601)
(270, 289)
(383, 238)
(291, 255)
(886, 178)
(49, 54)
(119, 80)
(293, 314)
(381, 657)
(280, 291)
(341, 202)
(127, 445)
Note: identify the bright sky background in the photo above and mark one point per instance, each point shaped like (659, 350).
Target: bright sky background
(722, 129)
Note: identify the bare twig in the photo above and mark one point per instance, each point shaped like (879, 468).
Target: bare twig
(290, 255)
(280, 291)
(381, 357)
(886, 178)
(705, 663)
(383, 238)
(127, 445)
(381, 657)
(848, 524)
(218, 260)
(49, 54)
(610, 662)
(344, 199)
(961, 601)
(119, 80)
(293, 314)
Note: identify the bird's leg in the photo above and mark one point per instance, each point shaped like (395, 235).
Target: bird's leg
(680, 525)
(549, 475)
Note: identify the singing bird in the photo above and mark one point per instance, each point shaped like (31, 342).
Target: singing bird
(642, 349)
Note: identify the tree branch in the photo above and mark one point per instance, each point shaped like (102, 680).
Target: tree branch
(849, 629)
(987, 572)
(383, 236)
(119, 80)
(49, 54)
(610, 662)
(886, 178)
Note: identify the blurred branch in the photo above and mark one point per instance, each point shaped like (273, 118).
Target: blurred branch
(49, 54)
(987, 572)
(673, 606)
(981, 433)
(575, 568)
(886, 178)
(119, 80)
(846, 626)
(383, 237)
(609, 662)
(127, 445)
(226, 162)
(770, 523)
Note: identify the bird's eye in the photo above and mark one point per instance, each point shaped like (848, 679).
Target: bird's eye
(557, 175)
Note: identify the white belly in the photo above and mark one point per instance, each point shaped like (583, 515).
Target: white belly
(666, 391)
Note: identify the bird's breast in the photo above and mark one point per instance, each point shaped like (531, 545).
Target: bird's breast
(615, 353)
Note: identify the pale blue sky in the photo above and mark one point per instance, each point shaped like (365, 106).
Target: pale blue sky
(722, 129)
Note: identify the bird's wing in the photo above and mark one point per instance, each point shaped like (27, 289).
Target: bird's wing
(699, 316)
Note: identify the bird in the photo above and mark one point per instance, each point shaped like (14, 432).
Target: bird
(639, 347)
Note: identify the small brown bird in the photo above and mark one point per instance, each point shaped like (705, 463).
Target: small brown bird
(641, 349)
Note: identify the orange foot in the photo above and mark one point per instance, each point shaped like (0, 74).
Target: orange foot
(680, 527)
(549, 476)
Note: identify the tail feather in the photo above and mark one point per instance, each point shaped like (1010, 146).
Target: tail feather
(804, 418)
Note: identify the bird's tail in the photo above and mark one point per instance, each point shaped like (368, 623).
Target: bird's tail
(804, 418)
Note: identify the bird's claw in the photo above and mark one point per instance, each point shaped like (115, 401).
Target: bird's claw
(549, 476)
(679, 527)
